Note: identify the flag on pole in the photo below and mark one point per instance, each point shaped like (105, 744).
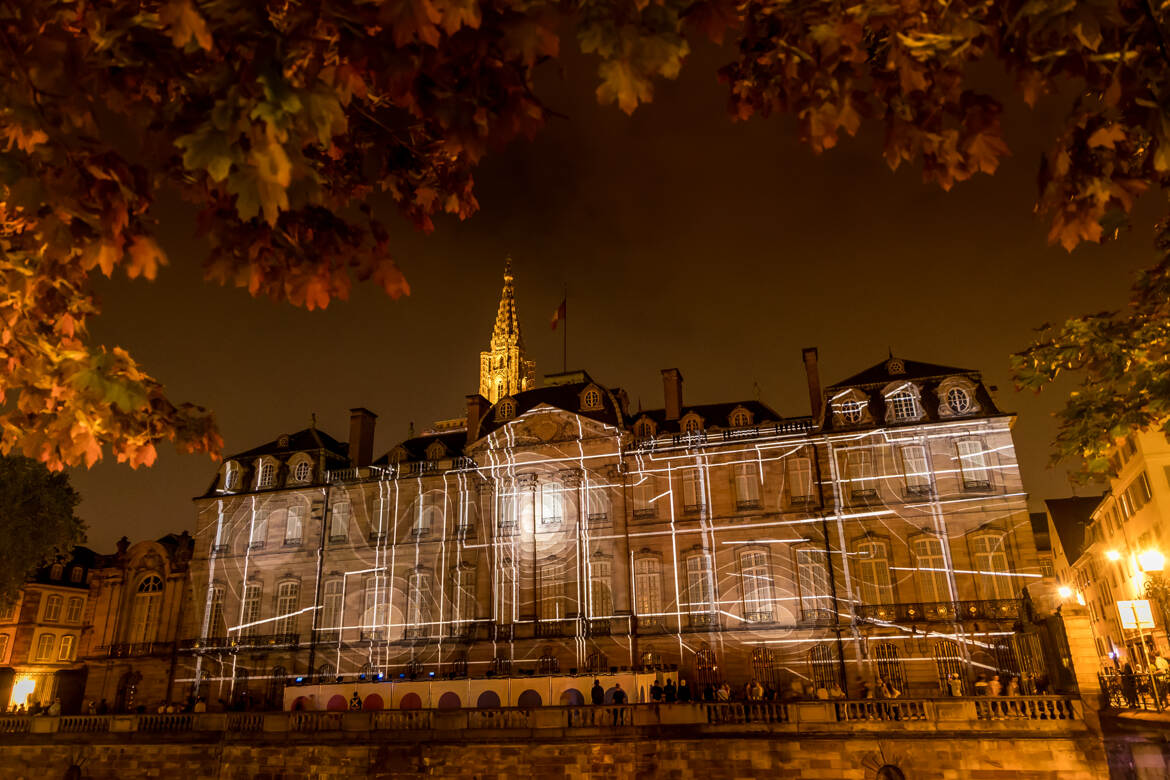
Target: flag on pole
(559, 314)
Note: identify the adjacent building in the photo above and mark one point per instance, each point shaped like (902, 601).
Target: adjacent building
(557, 530)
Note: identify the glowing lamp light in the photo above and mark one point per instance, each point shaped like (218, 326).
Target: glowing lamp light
(1113, 555)
(1065, 591)
(23, 688)
(1080, 598)
(1152, 560)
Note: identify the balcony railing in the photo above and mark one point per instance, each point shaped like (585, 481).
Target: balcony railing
(502, 632)
(264, 641)
(545, 628)
(599, 627)
(747, 504)
(135, 649)
(941, 611)
(644, 514)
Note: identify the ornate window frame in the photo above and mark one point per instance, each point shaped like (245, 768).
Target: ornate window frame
(957, 383)
(645, 428)
(592, 398)
(899, 389)
(506, 409)
(295, 475)
(851, 408)
(740, 417)
(691, 423)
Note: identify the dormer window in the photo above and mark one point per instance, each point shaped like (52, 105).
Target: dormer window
(850, 411)
(506, 409)
(231, 476)
(436, 451)
(303, 471)
(740, 418)
(267, 475)
(56, 571)
(691, 424)
(902, 402)
(959, 400)
(397, 455)
(644, 429)
(591, 400)
(282, 442)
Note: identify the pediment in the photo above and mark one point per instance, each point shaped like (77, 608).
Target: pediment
(542, 424)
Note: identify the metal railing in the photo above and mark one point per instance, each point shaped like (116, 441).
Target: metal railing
(135, 649)
(551, 628)
(1136, 691)
(941, 611)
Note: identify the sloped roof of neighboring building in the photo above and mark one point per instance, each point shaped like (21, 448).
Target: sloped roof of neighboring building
(1039, 521)
(562, 396)
(879, 373)
(1069, 517)
(416, 447)
(305, 440)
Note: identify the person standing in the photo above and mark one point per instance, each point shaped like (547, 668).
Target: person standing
(995, 687)
(669, 692)
(684, 690)
(656, 691)
(619, 699)
(597, 693)
(355, 701)
(981, 686)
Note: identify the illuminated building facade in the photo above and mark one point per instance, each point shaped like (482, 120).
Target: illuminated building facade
(1100, 557)
(41, 633)
(556, 530)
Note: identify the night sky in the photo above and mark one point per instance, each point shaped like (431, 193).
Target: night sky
(686, 240)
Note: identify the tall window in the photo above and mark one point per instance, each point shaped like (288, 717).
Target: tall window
(800, 485)
(747, 486)
(859, 474)
(648, 585)
(903, 404)
(552, 592)
(812, 574)
(597, 505)
(267, 475)
(823, 667)
(700, 589)
(757, 586)
(917, 470)
(692, 488)
(287, 602)
(53, 609)
(551, 503)
(331, 605)
(889, 664)
(430, 514)
(765, 666)
(463, 595)
(251, 611)
(948, 661)
(215, 625)
(8, 611)
(3, 647)
(873, 572)
(600, 590)
(418, 603)
(339, 521)
(973, 464)
(507, 591)
(231, 476)
(992, 564)
(65, 653)
(144, 616)
(294, 524)
(73, 610)
(45, 647)
(376, 614)
(644, 495)
(259, 533)
(931, 574)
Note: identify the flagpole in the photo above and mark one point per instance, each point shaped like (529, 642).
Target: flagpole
(565, 333)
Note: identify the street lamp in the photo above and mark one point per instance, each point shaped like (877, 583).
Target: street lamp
(1152, 561)
(1113, 555)
(1065, 591)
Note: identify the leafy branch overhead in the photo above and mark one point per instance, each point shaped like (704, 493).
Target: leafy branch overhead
(282, 121)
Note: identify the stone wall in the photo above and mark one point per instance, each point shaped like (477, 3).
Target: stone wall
(831, 757)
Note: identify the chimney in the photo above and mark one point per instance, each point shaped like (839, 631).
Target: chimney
(361, 436)
(672, 392)
(814, 381)
(477, 407)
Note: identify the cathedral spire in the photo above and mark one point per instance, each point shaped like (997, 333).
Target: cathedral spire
(505, 368)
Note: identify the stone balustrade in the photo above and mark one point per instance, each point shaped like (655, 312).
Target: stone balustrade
(1051, 713)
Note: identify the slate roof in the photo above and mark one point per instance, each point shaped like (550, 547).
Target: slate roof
(305, 440)
(416, 447)
(1070, 516)
(879, 374)
(711, 414)
(567, 397)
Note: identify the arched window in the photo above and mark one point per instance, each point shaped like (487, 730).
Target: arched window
(73, 610)
(231, 476)
(757, 586)
(903, 404)
(850, 410)
(740, 418)
(326, 673)
(287, 602)
(45, 647)
(591, 400)
(644, 429)
(959, 400)
(692, 424)
(948, 661)
(303, 471)
(596, 661)
(706, 666)
(765, 667)
(548, 663)
(267, 475)
(889, 772)
(53, 609)
(823, 669)
(144, 613)
(873, 572)
(889, 665)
